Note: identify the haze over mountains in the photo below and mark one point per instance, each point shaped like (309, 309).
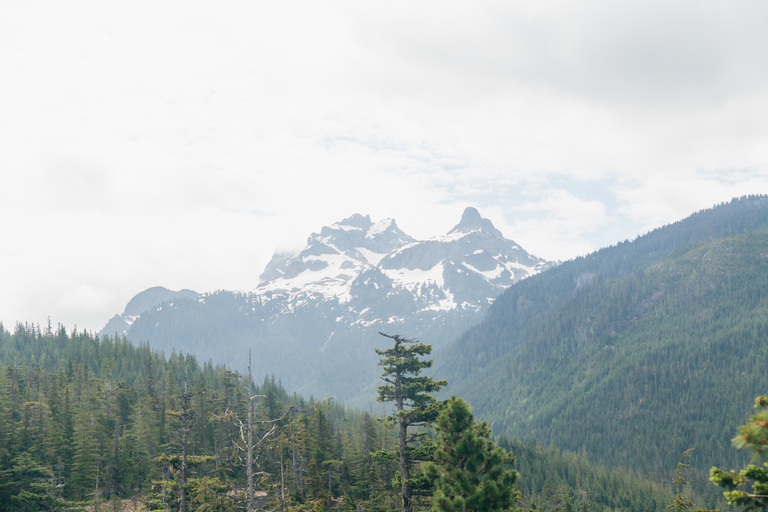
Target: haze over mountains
(325, 305)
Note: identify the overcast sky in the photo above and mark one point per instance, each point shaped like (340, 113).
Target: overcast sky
(180, 143)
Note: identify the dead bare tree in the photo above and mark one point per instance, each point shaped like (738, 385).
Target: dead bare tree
(246, 433)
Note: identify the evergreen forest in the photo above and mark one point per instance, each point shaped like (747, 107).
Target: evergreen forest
(88, 421)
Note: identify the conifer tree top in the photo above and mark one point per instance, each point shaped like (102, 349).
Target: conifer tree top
(405, 386)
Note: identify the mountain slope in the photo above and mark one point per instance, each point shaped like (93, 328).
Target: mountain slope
(315, 316)
(634, 353)
(141, 302)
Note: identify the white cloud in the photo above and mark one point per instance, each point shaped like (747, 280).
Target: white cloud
(558, 223)
(180, 144)
(663, 199)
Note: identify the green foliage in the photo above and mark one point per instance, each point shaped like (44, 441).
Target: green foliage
(469, 472)
(405, 385)
(29, 484)
(681, 503)
(85, 461)
(553, 479)
(84, 418)
(209, 495)
(629, 353)
(752, 435)
(414, 404)
(74, 406)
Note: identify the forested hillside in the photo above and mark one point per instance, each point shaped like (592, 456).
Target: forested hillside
(634, 353)
(87, 420)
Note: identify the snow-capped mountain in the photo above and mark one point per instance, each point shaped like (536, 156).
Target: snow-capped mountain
(359, 263)
(315, 316)
(333, 258)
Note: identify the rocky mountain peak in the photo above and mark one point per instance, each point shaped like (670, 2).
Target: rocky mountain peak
(356, 260)
(358, 221)
(471, 220)
(336, 254)
(358, 231)
(354, 223)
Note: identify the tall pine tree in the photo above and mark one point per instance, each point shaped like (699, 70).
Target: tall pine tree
(411, 393)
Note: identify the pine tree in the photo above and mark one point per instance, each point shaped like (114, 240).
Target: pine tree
(411, 394)
(139, 441)
(85, 458)
(322, 437)
(6, 426)
(29, 483)
(468, 471)
(754, 435)
(681, 503)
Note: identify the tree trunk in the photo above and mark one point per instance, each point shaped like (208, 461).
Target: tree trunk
(185, 417)
(405, 486)
(282, 480)
(250, 438)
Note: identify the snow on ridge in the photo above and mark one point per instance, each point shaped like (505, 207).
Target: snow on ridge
(331, 282)
(344, 227)
(325, 240)
(411, 279)
(366, 323)
(404, 247)
(446, 304)
(452, 237)
(329, 258)
(371, 257)
(489, 275)
(334, 274)
(519, 266)
(378, 228)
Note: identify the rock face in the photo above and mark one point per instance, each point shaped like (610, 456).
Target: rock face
(314, 318)
(360, 263)
(149, 298)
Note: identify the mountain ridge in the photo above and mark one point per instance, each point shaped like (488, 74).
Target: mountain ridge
(141, 302)
(329, 300)
(626, 354)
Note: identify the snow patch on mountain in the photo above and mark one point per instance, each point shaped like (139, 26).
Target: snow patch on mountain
(358, 261)
(415, 279)
(379, 227)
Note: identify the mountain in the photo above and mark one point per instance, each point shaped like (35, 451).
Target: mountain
(382, 273)
(634, 353)
(149, 298)
(314, 318)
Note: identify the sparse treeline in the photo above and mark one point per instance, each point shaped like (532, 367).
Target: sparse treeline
(85, 419)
